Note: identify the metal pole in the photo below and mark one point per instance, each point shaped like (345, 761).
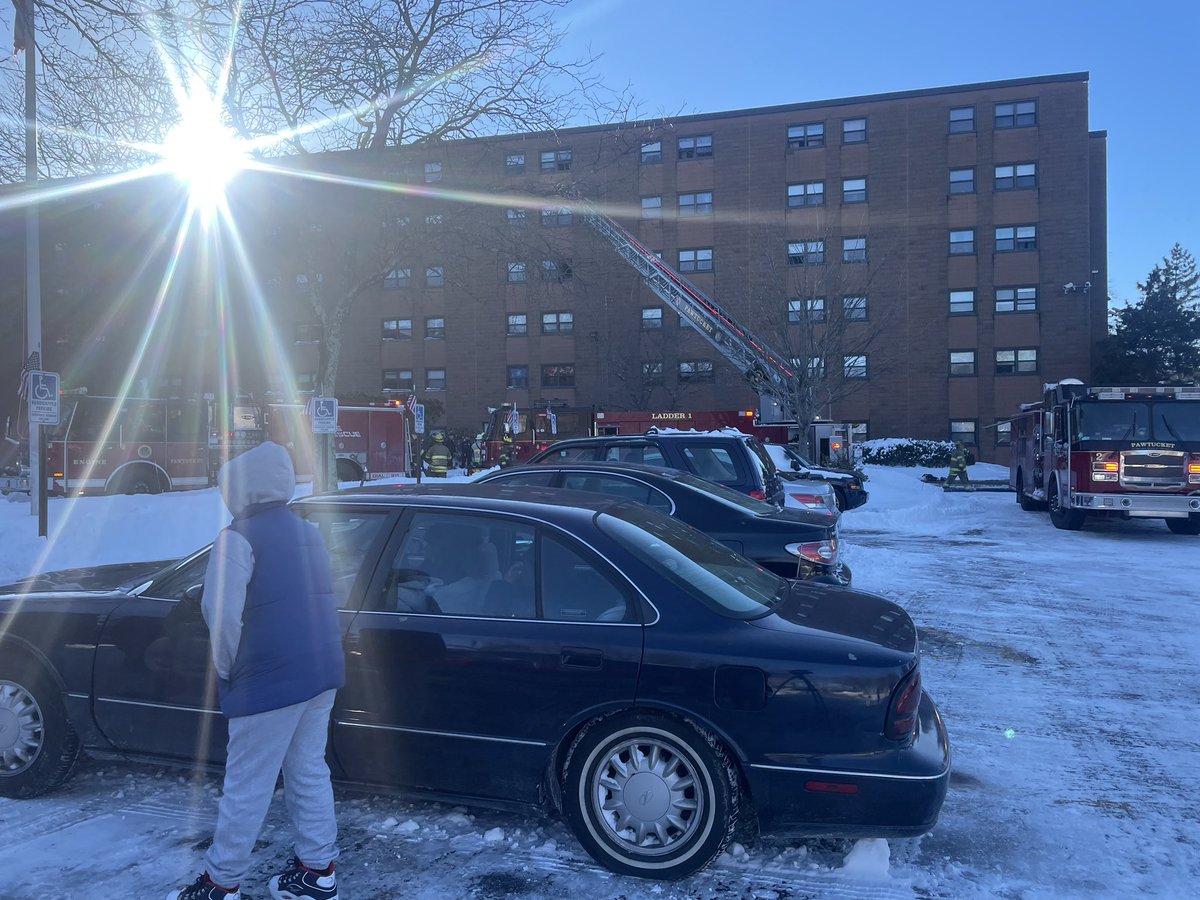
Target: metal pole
(33, 266)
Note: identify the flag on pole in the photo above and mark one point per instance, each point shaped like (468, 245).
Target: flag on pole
(411, 403)
(33, 363)
(20, 28)
(514, 421)
(551, 419)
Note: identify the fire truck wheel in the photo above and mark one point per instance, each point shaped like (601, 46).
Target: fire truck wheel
(1190, 525)
(136, 480)
(348, 470)
(1027, 503)
(1061, 517)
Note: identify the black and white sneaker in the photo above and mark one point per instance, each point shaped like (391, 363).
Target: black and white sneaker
(204, 888)
(299, 882)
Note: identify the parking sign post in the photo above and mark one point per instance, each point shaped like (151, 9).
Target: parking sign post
(43, 411)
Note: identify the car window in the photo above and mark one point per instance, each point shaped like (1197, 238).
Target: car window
(727, 494)
(566, 454)
(712, 463)
(759, 452)
(576, 590)
(526, 479)
(461, 564)
(171, 585)
(647, 454)
(617, 486)
(724, 581)
(349, 535)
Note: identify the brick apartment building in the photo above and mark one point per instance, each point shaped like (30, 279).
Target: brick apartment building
(923, 255)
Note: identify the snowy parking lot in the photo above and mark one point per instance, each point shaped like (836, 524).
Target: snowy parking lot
(1064, 663)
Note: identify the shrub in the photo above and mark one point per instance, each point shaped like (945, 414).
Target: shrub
(907, 452)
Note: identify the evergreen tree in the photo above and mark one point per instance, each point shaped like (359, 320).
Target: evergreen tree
(1157, 339)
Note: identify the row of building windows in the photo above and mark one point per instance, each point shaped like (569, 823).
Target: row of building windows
(1008, 239)
(812, 252)
(967, 431)
(813, 309)
(1017, 361)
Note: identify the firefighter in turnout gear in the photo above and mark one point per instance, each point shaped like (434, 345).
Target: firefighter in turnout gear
(958, 465)
(437, 455)
(507, 451)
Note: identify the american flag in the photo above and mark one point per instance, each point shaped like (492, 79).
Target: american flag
(33, 363)
(411, 403)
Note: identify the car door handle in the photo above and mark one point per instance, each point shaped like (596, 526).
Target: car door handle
(582, 658)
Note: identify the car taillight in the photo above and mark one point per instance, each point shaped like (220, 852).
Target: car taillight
(811, 501)
(902, 713)
(823, 552)
(758, 495)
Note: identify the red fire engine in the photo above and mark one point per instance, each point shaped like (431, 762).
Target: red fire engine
(1133, 452)
(532, 429)
(371, 440)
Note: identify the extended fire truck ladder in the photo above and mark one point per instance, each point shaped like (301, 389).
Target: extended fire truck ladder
(767, 371)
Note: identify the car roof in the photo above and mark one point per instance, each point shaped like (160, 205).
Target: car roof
(533, 501)
(624, 468)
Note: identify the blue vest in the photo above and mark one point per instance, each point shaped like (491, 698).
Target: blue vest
(291, 644)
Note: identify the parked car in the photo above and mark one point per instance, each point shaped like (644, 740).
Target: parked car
(725, 456)
(848, 487)
(813, 496)
(790, 543)
(504, 646)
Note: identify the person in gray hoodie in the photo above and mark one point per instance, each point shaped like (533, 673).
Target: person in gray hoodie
(276, 647)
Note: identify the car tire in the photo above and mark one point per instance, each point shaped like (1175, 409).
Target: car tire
(684, 781)
(840, 499)
(1060, 517)
(1026, 502)
(38, 746)
(1190, 525)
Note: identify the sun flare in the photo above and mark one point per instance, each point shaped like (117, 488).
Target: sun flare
(204, 153)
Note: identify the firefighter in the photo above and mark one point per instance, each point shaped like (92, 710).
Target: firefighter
(507, 451)
(958, 465)
(437, 455)
(477, 452)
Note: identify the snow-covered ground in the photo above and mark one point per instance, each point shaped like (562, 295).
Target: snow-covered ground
(1065, 664)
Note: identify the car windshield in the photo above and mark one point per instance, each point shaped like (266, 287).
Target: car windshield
(726, 494)
(725, 582)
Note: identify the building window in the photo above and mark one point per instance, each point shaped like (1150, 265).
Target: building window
(397, 329)
(558, 375)
(307, 333)
(815, 367)
(1016, 115)
(435, 328)
(696, 260)
(652, 207)
(962, 242)
(516, 273)
(435, 276)
(558, 323)
(811, 134)
(1003, 429)
(1016, 237)
(795, 311)
(652, 318)
(699, 204)
(858, 432)
(652, 374)
(556, 216)
(1017, 362)
(518, 325)
(514, 163)
(1016, 299)
(516, 215)
(854, 308)
(306, 381)
(962, 119)
(555, 161)
(1016, 177)
(962, 181)
(698, 147)
(517, 378)
(651, 152)
(854, 190)
(557, 270)
(963, 430)
(435, 379)
(854, 366)
(433, 172)
(808, 193)
(696, 371)
(814, 309)
(962, 362)
(962, 303)
(854, 249)
(398, 380)
(806, 253)
(854, 131)
(396, 279)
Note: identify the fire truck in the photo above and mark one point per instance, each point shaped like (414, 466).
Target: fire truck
(1086, 450)
(533, 428)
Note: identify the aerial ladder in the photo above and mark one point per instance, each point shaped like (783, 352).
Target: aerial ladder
(769, 373)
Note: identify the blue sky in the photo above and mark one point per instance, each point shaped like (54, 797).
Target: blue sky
(691, 56)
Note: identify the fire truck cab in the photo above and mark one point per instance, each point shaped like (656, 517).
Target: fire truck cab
(1133, 452)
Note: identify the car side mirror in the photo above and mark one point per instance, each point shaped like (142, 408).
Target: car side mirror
(194, 593)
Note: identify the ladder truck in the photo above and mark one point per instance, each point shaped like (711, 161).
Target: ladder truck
(768, 372)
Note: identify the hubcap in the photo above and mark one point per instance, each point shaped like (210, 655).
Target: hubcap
(21, 729)
(647, 796)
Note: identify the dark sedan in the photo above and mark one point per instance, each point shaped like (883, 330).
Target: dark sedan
(598, 659)
(791, 543)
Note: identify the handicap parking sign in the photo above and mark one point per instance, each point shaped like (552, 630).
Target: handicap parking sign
(43, 398)
(324, 415)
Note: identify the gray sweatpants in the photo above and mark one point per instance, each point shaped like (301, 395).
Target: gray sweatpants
(291, 739)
